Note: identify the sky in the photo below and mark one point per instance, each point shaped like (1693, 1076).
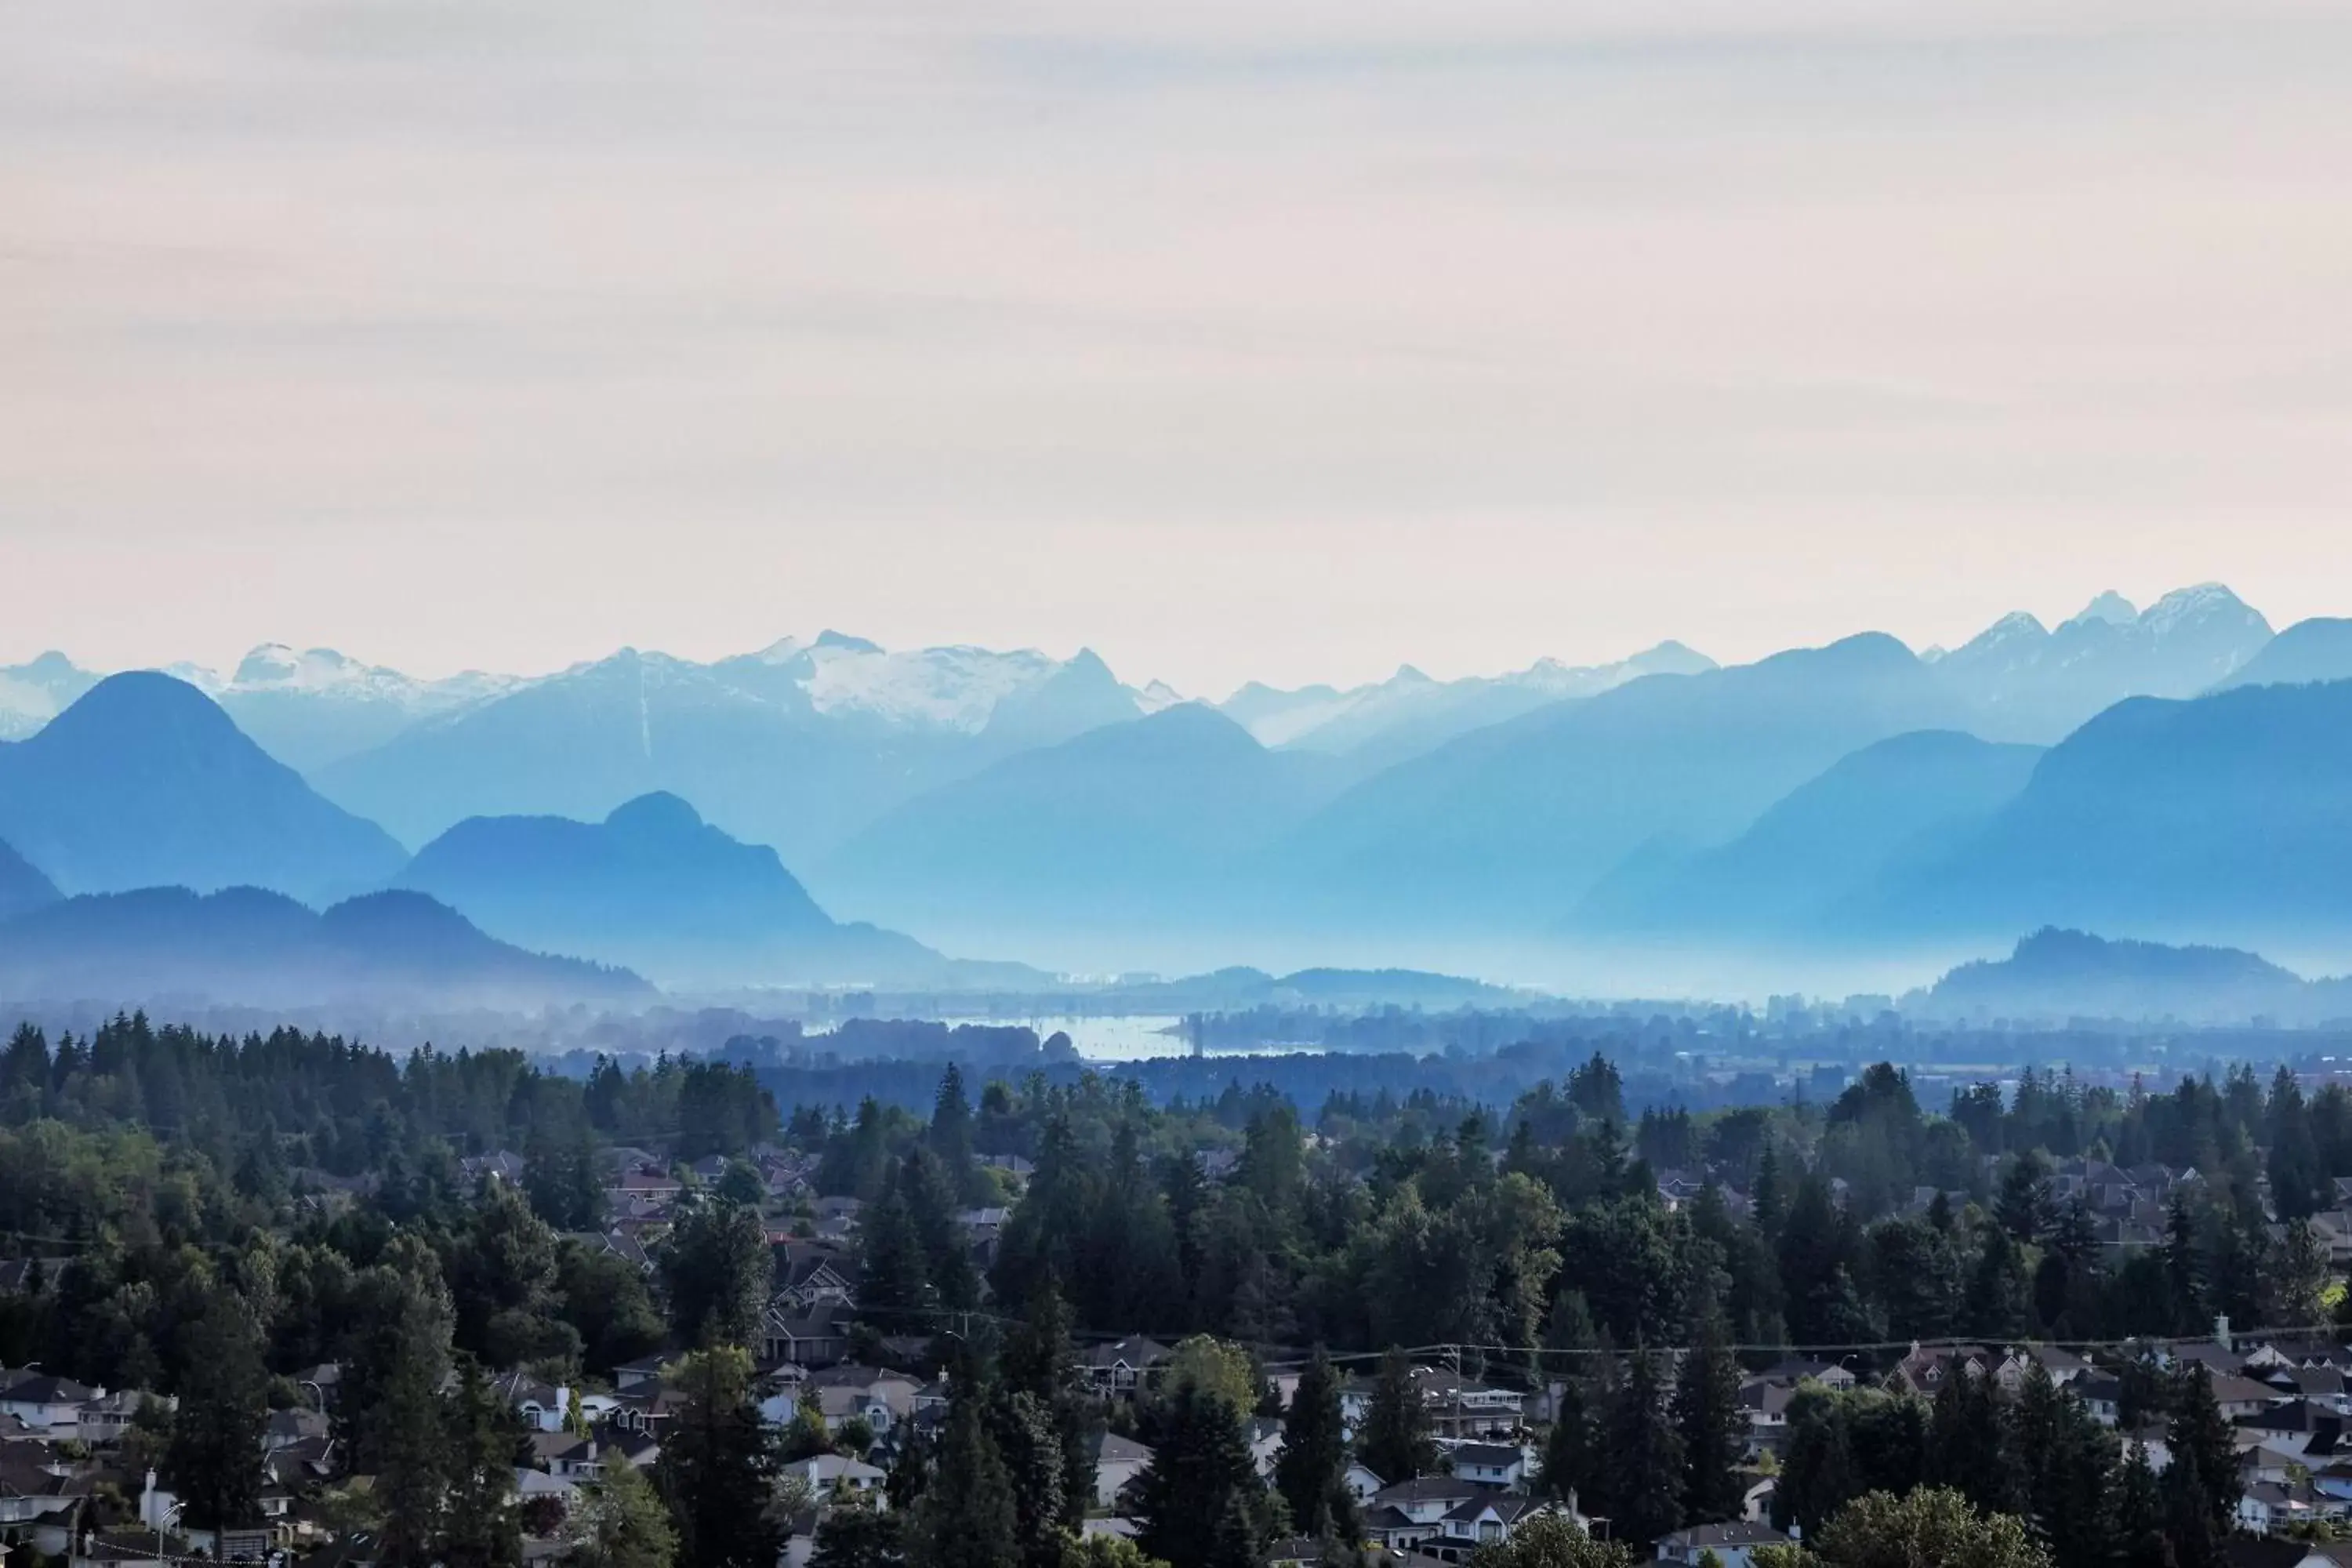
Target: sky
(1288, 339)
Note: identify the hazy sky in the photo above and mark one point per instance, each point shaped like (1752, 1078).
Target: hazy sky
(1287, 338)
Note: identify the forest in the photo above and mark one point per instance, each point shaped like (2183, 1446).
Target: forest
(215, 1220)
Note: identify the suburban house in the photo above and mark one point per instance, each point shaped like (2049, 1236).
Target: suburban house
(43, 1402)
(1479, 1522)
(1125, 1366)
(1490, 1464)
(1117, 1461)
(1734, 1543)
(883, 1400)
(814, 1337)
(1408, 1513)
(1460, 1408)
(808, 1275)
(828, 1474)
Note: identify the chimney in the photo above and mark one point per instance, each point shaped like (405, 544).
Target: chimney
(2221, 1331)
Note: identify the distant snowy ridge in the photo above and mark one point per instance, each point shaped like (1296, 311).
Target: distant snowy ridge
(322, 672)
(1411, 703)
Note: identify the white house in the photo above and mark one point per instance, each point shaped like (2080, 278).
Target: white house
(42, 1402)
(1480, 1521)
(544, 1406)
(828, 1474)
(1266, 1440)
(1734, 1542)
(1490, 1464)
(1117, 1461)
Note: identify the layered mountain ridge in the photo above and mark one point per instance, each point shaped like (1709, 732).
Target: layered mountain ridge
(2167, 774)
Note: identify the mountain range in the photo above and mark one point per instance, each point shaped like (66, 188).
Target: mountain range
(1508, 827)
(1410, 712)
(2167, 773)
(254, 947)
(797, 746)
(657, 889)
(2222, 816)
(2025, 682)
(1822, 850)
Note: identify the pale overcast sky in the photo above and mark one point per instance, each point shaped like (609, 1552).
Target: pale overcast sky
(1288, 338)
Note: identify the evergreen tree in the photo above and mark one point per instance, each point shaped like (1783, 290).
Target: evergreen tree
(214, 1460)
(1193, 1500)
(1039, 1359)
(893, 1285)
(1771, 1198)
(2298, 1181)
(622, 1524)
(605, 1299)
(1570, 1327)
(1394, 1440)
(1818, 1470)
(563, 1178)
(501, 1277)
(1918, 1276)
(2066, 1462)
(1640, 1460)
(2295, 1276)
(400, 1412)
(1711, 1426)
(1310, 1468)
(479, 1527)
(717, 1270)
(1569, 1452)
(1968, 1446)
(716, 1458)
(2000, 1292)
(931, 1208)
(2139, 1516)
(2200, 1434)
(2191, 1529)
(950, 1131)
(2024, 1208)
(967, 1518)
(2184, 1266)
(1030, 1448)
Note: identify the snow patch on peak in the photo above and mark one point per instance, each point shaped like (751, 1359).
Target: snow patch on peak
(2201, 602)
(2015, 626)
(274, 666)
(276, 670)
(942, 688)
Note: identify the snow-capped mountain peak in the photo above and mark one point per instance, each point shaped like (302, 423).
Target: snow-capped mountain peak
(942, 688)
(2183, 606)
